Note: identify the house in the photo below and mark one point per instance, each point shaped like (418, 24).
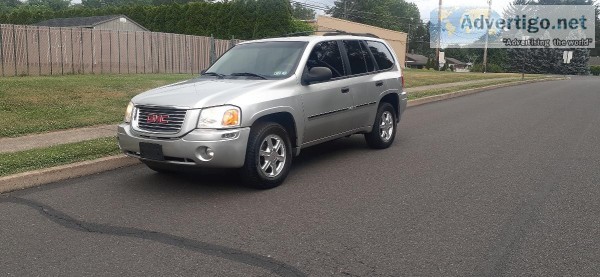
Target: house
(104, 22)
(397, 40)
(416, 61)
(594, 61)
(456, 65)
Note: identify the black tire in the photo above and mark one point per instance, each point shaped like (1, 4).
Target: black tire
(375, 139)
(158, 167)
(252, 174)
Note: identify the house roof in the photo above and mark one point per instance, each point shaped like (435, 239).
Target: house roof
(83, 22)
(594, 61)
(454, 61)
(416, 59)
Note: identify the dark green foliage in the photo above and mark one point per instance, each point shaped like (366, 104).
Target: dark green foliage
(301, 12)
(550, 60)
(242, 19)
(595, 70)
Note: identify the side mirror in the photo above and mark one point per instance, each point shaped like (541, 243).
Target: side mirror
(317, 74)
(203, 71)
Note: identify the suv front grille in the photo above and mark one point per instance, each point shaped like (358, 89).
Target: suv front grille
(159, 119)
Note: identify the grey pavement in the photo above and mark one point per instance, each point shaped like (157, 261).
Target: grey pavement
(500, 183)
(9, 145)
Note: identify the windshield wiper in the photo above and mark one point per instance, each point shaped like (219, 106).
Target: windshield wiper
(214, 74)
(249, 74)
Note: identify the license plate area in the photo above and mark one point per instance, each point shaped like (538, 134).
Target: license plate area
(151, 151)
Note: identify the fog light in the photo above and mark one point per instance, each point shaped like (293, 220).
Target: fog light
(205, 153)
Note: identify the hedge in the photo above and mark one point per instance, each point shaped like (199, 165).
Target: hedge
(242, 19)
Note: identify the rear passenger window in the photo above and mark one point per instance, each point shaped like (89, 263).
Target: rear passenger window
(382, 55)
(327, 54)
(368, 58)
(356, 57)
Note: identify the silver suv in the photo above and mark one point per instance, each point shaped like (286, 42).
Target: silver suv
(263, 101)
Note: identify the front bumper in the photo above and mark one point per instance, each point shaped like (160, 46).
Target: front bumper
(228, 146)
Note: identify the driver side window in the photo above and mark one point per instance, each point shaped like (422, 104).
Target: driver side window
(327, 54)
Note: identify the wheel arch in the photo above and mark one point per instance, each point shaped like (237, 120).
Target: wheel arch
(394, 100)
(285, 119)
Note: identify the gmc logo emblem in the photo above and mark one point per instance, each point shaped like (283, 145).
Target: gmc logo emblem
(157, 118)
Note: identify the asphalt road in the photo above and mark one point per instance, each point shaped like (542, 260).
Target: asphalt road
(504, 182)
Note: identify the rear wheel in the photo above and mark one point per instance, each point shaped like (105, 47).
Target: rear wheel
(268, 156)
(384, 128)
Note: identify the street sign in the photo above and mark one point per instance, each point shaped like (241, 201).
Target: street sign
(567, 56)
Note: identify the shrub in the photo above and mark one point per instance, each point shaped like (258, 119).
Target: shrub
(595, 70)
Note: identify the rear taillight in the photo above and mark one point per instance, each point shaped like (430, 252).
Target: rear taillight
(402, 80)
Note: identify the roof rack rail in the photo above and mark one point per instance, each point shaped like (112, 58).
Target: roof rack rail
(332, 33)
(342, 33)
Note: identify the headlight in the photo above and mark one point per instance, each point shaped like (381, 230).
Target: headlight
(220, 117)
(129, 112)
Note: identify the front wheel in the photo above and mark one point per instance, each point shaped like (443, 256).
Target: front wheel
(268, 156)
(384, 128)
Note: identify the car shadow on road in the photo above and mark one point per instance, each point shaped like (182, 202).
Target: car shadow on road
(203, 181)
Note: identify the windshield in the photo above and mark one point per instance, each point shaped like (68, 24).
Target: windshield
(275, 59)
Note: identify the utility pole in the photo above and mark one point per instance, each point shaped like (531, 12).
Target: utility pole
(439, 38)
(345, 10)
(485, 50)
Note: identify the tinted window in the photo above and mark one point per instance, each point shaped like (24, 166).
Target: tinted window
(327, 54)
(356, 57)
(382, 55)
(368, 58)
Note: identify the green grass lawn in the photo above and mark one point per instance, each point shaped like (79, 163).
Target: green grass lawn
(12, 163)
(432, 92)
(423, 77)
(39, 104)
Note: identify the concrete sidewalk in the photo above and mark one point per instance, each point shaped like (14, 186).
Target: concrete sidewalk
(455, 84)
(9, 145)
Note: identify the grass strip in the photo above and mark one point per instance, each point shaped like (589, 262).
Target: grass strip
(47, 103)
(433, 92)
(12, 163)
(423, 77)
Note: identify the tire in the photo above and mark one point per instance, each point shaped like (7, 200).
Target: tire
(382, 136)
(268, 156)
(158, 167)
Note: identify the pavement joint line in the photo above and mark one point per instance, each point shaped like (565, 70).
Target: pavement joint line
(69, 171)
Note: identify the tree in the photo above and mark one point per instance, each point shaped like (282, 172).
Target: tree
(396, 15)
(301, 12)
(547, 60)
(55, 5)
(8, 5)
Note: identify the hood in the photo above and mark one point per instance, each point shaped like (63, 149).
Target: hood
(198, 93)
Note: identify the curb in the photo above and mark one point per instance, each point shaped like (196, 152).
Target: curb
(59, 173)
(449, 95)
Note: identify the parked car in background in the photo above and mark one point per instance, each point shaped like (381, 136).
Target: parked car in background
(264, 101)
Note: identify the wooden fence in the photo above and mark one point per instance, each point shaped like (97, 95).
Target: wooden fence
(37, 50)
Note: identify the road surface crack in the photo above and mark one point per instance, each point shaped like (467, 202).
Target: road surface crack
(205, 248)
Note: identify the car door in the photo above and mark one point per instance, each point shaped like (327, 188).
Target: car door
(364, 85)
(326, 104)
